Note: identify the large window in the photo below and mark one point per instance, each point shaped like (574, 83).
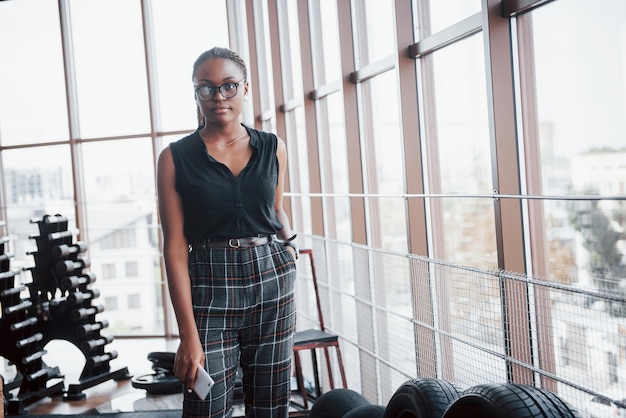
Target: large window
(109, 67)
(37, 181)
(580, 137)
(120, 77)
(182, 31)
(574, 133)
(33, 102)
(460, 154)
(458, 173)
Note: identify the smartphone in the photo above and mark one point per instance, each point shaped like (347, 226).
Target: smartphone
(204, 383)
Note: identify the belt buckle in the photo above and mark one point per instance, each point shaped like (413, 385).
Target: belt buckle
(234, 243)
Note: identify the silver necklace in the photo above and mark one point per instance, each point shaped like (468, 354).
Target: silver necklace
(228, 144)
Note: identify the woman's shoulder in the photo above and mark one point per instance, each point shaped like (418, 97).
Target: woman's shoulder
(190, 137)
(264, 135)
(187, 141)
(262, 139)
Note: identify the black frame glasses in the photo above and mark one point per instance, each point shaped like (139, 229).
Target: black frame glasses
(227, 90)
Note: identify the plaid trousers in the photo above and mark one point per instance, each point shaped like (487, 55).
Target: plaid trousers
(244, 306)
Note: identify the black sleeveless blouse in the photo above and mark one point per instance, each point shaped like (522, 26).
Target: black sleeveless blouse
(218, 205)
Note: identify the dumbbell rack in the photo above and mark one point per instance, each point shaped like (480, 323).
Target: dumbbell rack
(19, 341)
(60, 306)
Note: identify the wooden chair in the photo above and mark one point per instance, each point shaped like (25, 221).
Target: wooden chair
(312, 339)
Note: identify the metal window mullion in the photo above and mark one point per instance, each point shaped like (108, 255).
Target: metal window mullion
(514, 7)
(322, 91)
(365, 285)
(150, 56)
(506, 180)
(410, 128)
(535, 221)
(320, 114)
(366, 128)
(373, 69)
(312, 135)
(327, 174)
(155, 120)
(255, 70)
(289, 105)
(266, 96)
(284, 47)
(238, 39)
(316, 114)
(436, 283)
(283, 80)
(355, 173)
(276, 53)
(73, 120)
(286, 106)
(430, 43)
(364, 110)
(426, 351)
(316, 43)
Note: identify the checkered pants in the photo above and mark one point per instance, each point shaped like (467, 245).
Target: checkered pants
(244, 305)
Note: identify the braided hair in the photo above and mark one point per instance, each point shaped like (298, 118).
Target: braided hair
(217, 52)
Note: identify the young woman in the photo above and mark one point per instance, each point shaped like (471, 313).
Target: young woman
(228, 249)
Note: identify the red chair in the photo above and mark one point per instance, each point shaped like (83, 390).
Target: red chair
(312, 339)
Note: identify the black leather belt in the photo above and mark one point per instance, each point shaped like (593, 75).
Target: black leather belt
(247, 242)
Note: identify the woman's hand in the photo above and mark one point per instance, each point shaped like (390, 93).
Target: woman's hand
(188, 356)
(292, 251)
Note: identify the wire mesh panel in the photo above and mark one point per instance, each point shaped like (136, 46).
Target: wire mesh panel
(401, 317)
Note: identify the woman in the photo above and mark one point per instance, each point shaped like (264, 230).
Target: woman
(228, 249)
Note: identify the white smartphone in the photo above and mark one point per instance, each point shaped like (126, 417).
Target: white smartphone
(204, 383)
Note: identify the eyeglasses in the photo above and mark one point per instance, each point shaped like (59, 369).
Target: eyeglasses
(227, 90)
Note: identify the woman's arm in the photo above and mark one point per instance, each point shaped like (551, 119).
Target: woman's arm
(176, 253)
(286, 232)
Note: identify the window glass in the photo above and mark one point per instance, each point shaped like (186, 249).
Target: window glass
(581, 102)
(444, 13)
(330, 41)
(38, 182)
(110, 304)
(379, 32)
(132, 269)
(32, 84)
(298, 164)
(107, 270)
(110, 67)
(182, 31)
(134, 301)
(463, 149)
(580, 90)
(265, 88)
(121, 212)
(293, 135)
(385, 168)
(339, 166)
(292, 68)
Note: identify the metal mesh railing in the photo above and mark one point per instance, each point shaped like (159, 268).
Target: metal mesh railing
(401, 316)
